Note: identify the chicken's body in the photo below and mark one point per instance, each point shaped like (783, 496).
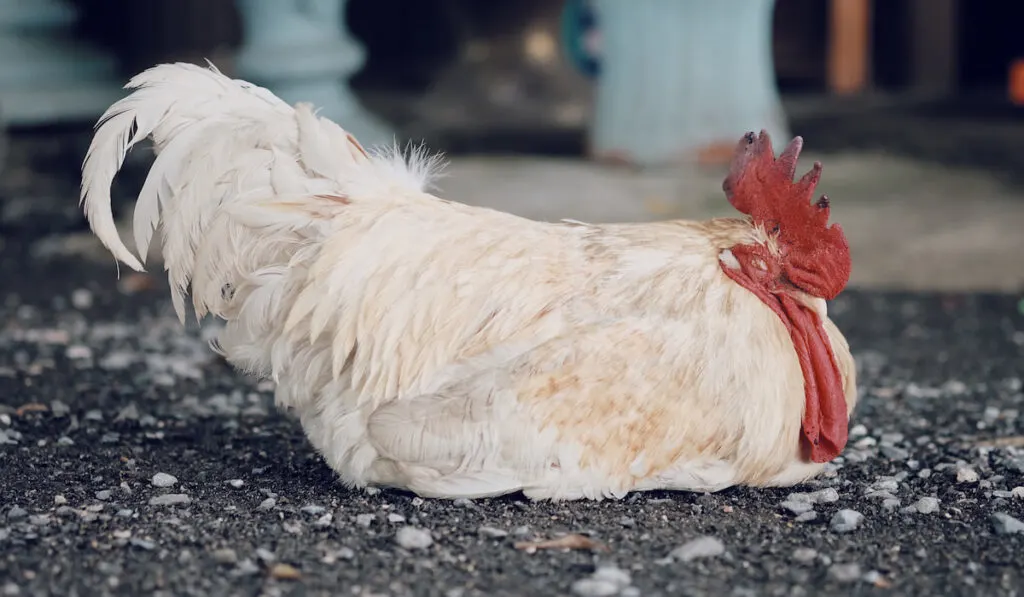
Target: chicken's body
(451, 350)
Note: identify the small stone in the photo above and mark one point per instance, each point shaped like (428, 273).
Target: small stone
(966, 474)
(65, 441)
(804, 555)
(372, 491)
(163, 480)
(890, 503)
(604, 582)
(894, 452)
(926, 505)
(128, 413)
(285, 572)
(627, 522)
(224, 556)
(313, 510)
(395, 518)
(143, 544)
(463, 503)
(845, 573)
(81, 298)
(265, 555)
(416, 502)
(364, 520)
(924, 473)
(236, 483)
(247, 568)
(324, 521)
(345, 553)
(807, 517)
(1017, 492)
(125, 513)
(846, 520)
(94, 415)
(103, 495)
(267, 504)
(11, 590)
(886, 484)
(170, 499)
(701, 547)
(1004, 524)
(16, 513)
(59, 500)
(59, 409)
(413, 538)
(491, 532)
(797, 507)
(858, 430)
(822, 496)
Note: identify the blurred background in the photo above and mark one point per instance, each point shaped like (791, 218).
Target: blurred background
(598, 110)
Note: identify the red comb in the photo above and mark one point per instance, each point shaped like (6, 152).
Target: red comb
(816, 256)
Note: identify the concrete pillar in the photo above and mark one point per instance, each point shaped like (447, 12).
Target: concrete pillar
(46, 75)
(683, 79)
(302, 51)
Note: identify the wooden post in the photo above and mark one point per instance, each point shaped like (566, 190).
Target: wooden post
(849, 61)
(933, 46)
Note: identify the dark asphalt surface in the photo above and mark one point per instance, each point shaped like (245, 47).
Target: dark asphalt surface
(100, 390)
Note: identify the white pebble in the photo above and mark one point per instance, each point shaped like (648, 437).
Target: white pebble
(846, 520)
(926, 505)
(797, 507)
(395, 518)
(966, 474)
(804, 555)
(1017, 492)
(169, 499)
(413, 538)
(236, 483)
(81, 298)
(604, 582)
(1005, 524)
(163, 480)
(491, 532)
(845, 573)
(78, 352)
(701, 547)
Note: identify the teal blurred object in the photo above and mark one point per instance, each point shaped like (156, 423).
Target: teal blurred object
(579, 31)
(680, 76)
(302, 51)
(46, 76)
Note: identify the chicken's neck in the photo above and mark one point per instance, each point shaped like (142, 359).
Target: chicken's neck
(825, 421)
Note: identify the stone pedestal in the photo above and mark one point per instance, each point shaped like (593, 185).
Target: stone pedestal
(682, 80)
(47, 76)
(510, 74)
(302, 51)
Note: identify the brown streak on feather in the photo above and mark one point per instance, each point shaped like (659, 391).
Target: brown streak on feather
(335, 198)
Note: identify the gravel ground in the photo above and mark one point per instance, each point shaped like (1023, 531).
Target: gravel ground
(135, 462)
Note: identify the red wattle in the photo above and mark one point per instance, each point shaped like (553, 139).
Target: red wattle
(825, 422)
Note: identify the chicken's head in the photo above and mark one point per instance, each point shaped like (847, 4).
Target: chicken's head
(813, 256)
(805, 254)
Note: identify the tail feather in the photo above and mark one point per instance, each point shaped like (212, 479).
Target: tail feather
(232, 163)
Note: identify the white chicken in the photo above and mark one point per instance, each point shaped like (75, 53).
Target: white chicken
(456, 351)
